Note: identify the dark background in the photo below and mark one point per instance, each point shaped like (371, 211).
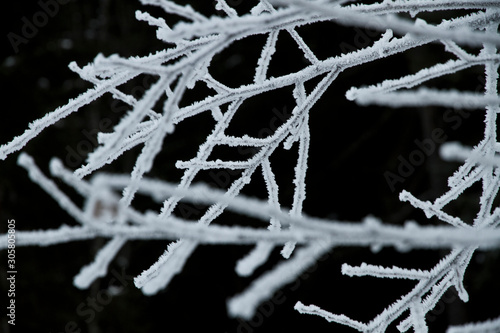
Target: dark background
(351, 149)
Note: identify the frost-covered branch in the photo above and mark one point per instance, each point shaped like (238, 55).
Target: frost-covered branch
(109, 209)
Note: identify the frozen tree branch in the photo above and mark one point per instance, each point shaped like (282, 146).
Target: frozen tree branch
(109, 209)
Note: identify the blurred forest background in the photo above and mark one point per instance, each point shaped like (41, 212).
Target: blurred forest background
(352, 150)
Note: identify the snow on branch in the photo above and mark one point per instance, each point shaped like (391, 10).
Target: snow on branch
(488, 326)
(430, 97)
